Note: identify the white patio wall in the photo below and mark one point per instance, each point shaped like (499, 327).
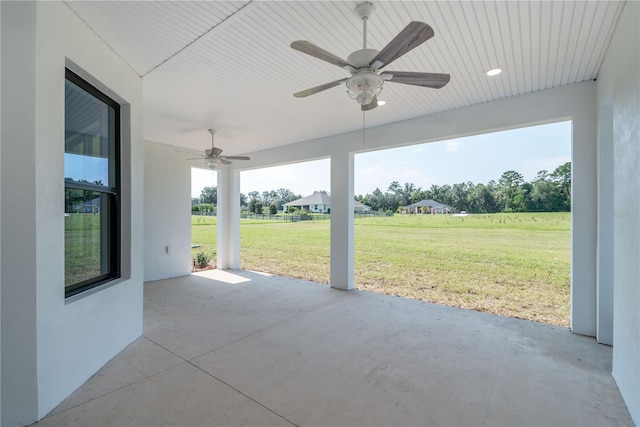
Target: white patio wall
(50, 345)
(19, 387)
(0, 216)
(167, 212)
(619, 102)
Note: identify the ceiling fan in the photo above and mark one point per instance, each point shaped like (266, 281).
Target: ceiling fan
(365, 64)
(212, 156)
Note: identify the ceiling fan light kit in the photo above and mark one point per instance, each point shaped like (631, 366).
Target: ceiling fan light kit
(365, 65)
(364, 87)
(212, 163)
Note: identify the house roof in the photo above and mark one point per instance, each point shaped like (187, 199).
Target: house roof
(358, 205)
(231, 61)
(318, 198)
(428, 203)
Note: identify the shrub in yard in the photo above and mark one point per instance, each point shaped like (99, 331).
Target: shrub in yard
(203, 207)
(273, 209)
(304, 214)
(202, 259)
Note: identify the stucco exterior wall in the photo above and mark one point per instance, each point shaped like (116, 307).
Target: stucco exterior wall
(167, 212)
(619, 98)
(51, 345)
(19, 382)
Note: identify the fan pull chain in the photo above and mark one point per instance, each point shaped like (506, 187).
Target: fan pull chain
(363, 129)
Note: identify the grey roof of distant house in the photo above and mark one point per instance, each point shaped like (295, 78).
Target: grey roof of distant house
(429, 203)
(318, 198)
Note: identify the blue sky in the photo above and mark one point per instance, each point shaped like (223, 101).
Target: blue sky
(77, 167)
(477, 158)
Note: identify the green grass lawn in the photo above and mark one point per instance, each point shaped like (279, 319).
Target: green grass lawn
(81, 247)
(509, 264)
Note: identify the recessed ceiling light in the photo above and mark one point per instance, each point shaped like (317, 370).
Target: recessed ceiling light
(381, 103)
(494, 71)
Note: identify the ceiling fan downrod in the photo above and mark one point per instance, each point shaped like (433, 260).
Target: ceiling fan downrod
(364, 11)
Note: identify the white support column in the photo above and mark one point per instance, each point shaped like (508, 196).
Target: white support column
(234, 221)
(342, 252)
(604, 332)
(228, 217)
(584, 205)
(223, 215)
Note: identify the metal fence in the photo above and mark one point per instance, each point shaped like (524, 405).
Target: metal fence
(287, 217)
(292, 217)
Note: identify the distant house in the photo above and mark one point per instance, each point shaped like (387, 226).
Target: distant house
(360, 207)
(428, 207)
(321, 203)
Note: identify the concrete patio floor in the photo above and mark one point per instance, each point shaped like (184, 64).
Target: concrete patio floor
(242, 348)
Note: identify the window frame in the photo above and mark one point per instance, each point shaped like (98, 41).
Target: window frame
(113, 232)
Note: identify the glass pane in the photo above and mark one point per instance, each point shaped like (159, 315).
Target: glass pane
(86, 236)
(93, 170)
(89, 138)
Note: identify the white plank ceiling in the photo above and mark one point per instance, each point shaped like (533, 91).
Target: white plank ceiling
(228, 64)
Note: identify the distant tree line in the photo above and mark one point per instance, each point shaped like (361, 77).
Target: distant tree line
(547, 192)
(73, 197)
(254, 202)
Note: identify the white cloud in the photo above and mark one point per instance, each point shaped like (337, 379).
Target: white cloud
(301, 178)
(530, 167)
(367, 179)
(381, 175)
(452, 145)
(201, 178)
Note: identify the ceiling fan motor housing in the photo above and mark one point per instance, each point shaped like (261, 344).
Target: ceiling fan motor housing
(361, 58)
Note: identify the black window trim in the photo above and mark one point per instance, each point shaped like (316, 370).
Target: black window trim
(115, 221)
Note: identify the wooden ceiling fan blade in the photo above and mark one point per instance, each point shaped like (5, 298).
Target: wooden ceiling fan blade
(370, 106)
(320, 88)
(317, 52)
(409, 38)
(235, 158)
(432, 80)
